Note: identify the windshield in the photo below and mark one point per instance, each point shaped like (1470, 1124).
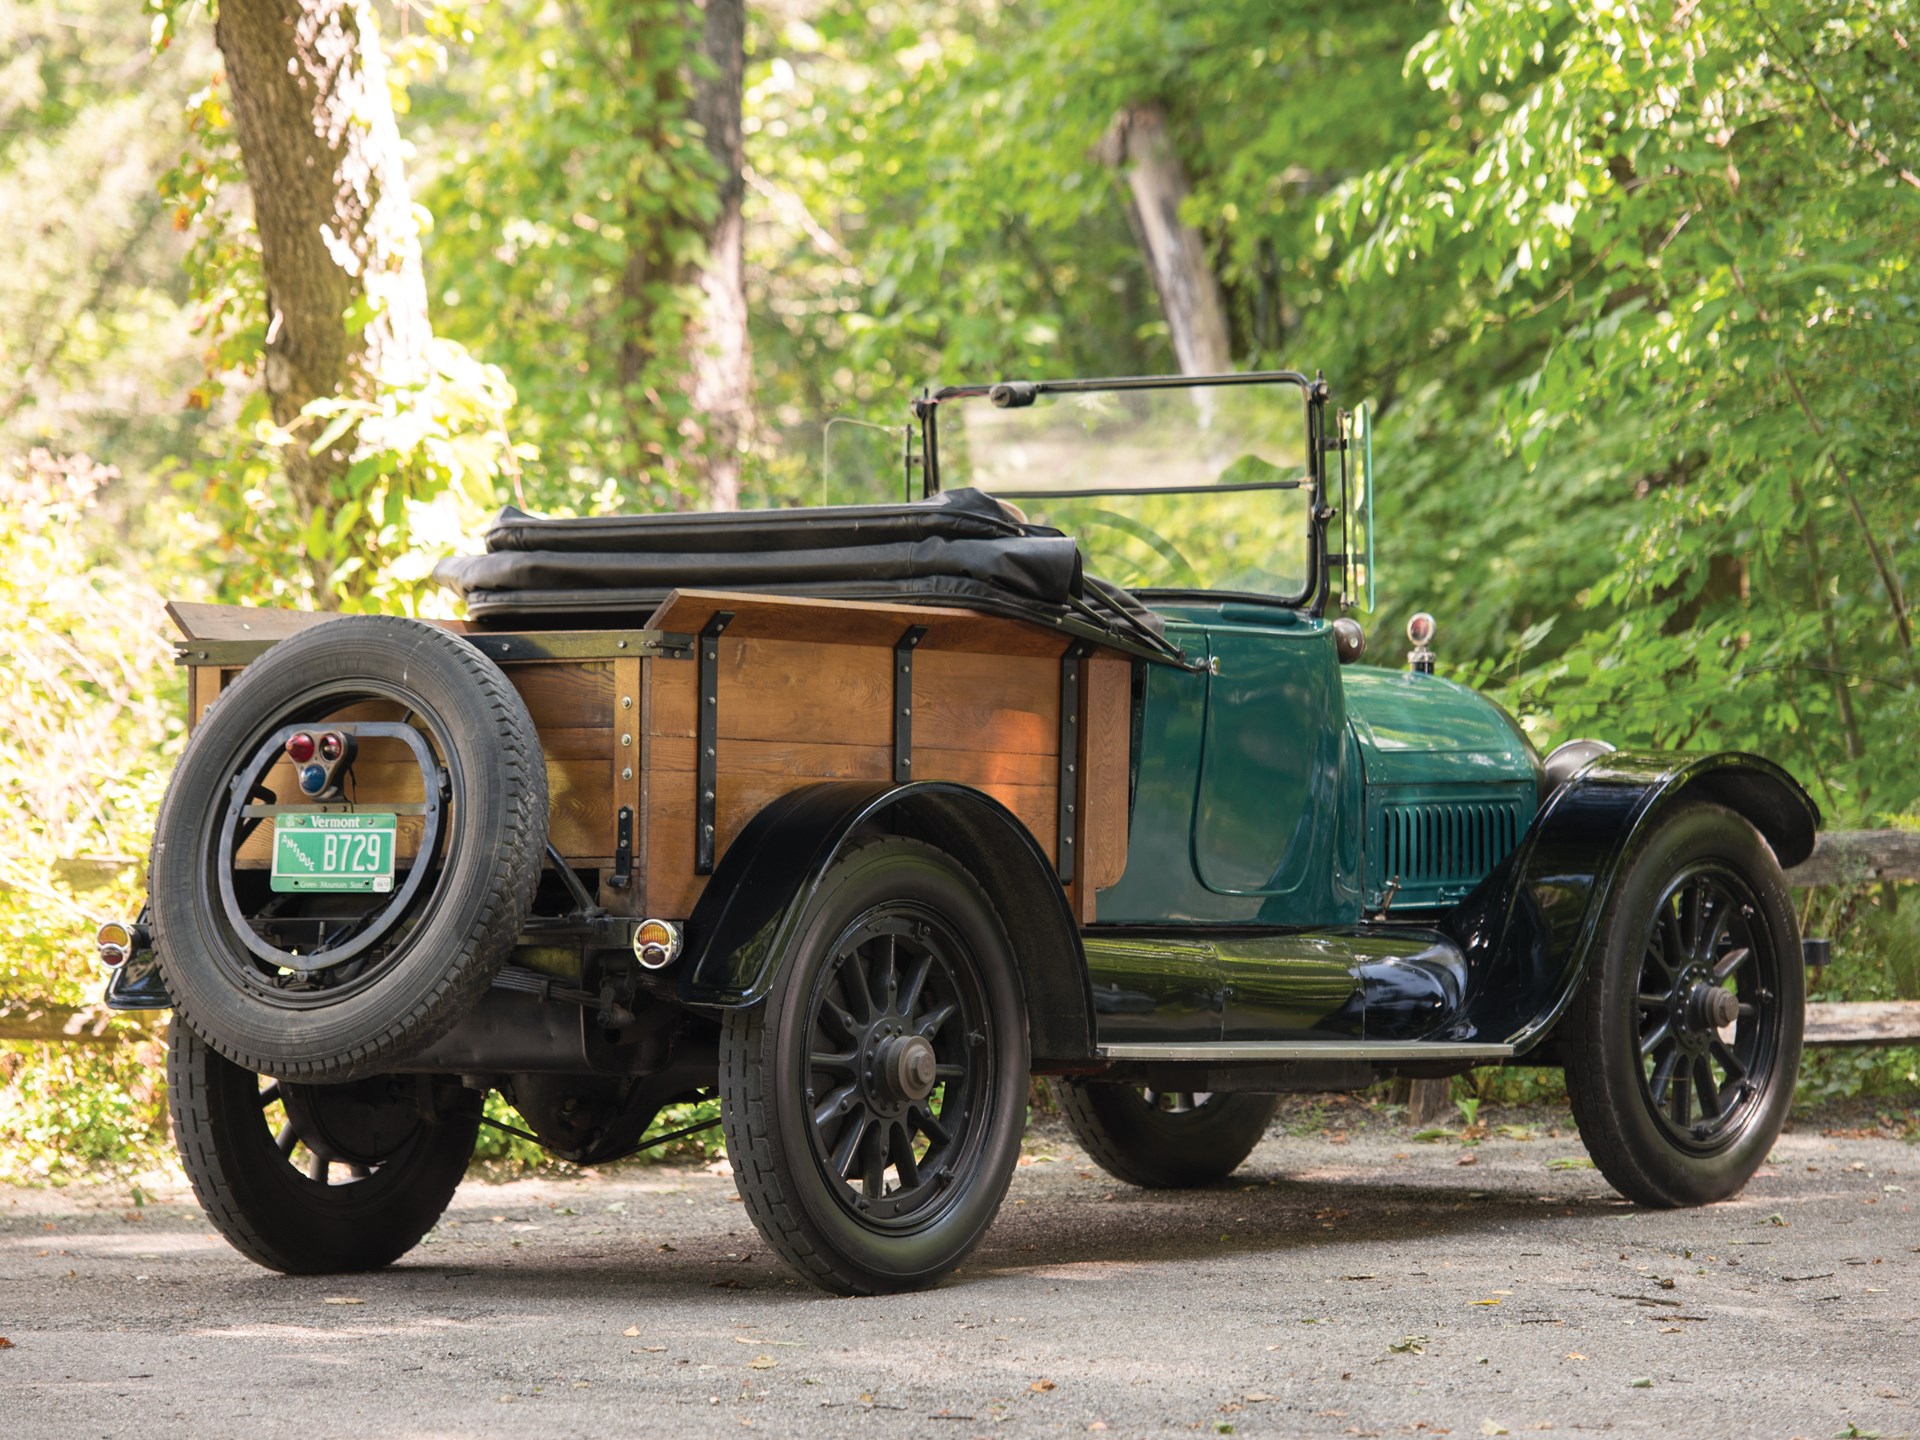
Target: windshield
(1165, 485)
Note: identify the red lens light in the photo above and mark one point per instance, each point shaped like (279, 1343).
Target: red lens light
(331, 746)
(300, 748)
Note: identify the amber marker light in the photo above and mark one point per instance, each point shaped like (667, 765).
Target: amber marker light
(656, 943)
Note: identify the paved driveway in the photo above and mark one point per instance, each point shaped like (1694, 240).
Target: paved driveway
(1344, 1283)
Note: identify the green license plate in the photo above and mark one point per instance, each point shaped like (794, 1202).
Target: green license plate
(334, 852)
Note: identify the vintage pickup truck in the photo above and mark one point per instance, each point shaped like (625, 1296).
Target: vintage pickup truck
(857, 816)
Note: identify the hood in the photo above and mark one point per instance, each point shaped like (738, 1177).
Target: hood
(1420, 729)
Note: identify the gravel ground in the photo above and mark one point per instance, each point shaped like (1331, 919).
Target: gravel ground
(1348, 1281)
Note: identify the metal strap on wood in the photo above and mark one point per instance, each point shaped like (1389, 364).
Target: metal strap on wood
(707, 742)
(1070, 721)
(903, 702)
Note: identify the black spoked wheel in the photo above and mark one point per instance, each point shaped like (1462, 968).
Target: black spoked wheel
(1164, 1139)
(326, 933)
(874, 1102)
(1709, 1003)
(1685, 1040)
(312, 1179)
(897, 1061)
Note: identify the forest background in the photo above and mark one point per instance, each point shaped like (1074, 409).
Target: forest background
(1631, 286)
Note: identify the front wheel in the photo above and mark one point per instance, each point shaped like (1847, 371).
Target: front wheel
(1684, 1041)
(874, 1101)
(315, 1179)
(1164, 1139)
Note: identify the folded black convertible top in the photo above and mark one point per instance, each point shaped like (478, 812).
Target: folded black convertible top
(960, 547)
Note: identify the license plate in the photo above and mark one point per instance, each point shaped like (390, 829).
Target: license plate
(334, 852)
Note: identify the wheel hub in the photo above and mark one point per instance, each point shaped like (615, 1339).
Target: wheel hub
(1711, 1008)
(906, 1068)
(897, 1065)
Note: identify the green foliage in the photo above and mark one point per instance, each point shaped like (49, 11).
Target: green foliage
(1685, 273)
(69, 1111)
(93, 712)
(571, 186)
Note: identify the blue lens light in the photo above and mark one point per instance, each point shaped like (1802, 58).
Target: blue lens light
(313, 779)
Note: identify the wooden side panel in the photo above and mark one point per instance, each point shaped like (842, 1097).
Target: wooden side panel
(795, 690)
(792, 712)
(1106, 740)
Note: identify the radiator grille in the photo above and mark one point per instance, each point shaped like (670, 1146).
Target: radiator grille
(1437, 843)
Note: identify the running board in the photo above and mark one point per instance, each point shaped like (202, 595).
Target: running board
(1385, 1050)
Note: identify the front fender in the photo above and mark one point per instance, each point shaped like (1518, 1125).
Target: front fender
(747, 918)
(1532, 927)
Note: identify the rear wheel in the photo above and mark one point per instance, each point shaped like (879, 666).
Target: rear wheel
(1684, 1041)
(1164, 1139)
(313, 1179)
(874, 1101)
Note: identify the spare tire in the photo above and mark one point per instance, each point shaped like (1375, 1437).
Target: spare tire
(337, 975)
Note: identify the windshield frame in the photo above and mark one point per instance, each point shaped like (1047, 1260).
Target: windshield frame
(1314, 393)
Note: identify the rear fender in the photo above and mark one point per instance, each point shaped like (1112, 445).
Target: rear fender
(1532, 927)
(752, 909)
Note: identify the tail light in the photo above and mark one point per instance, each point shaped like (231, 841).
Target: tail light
(115, 943)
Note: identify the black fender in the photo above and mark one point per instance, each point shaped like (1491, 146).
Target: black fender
(1532, 927)
(745, 920)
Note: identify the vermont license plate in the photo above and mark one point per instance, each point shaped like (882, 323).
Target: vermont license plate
(334, 852)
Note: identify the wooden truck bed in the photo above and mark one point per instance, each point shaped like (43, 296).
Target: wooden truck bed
(784, 692)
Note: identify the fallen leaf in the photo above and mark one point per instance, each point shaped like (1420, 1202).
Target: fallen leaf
(6, 1344)
(1468, 1159)
(1258, 1397)
(1491, 1300)
(1575, 1355)
(762, 1362)
(631, 1332)
(650, 1350)
(1492, 1427)
(342, 1300)
(1409, 1345)
(1645, 1382)
(1041, 1386)
(664, 1248)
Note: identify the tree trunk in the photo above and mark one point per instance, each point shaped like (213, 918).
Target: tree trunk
(323, 161)
(720, 378)
(648, 272)
(1137, 144)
